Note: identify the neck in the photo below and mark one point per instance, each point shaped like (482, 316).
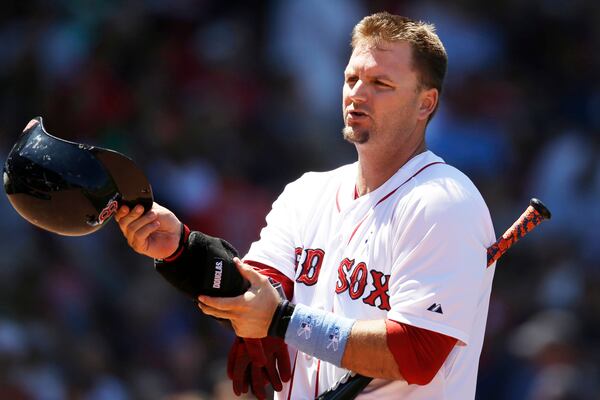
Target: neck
(375, 168)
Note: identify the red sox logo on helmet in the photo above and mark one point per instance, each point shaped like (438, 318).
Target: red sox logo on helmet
(107, 211)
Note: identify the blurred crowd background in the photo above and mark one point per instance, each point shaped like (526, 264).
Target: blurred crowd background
(224, 102)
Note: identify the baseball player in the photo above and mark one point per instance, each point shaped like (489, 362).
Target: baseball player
(382, 261)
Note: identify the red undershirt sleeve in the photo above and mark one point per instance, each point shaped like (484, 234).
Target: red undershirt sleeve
(419, 353)
(286, 283)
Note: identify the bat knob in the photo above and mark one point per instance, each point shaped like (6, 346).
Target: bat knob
(540, 208)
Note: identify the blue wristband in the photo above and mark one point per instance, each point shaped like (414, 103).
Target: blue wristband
(319, 333)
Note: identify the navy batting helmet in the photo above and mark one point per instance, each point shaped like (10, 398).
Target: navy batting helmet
(70, 188)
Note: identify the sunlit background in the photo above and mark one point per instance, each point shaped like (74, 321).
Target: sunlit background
(224, 102)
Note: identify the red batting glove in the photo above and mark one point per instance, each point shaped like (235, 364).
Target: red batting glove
(257, 362)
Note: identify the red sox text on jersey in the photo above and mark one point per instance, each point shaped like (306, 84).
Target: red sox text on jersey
(355, 279)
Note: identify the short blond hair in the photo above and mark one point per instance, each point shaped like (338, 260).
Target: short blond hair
(429, 58)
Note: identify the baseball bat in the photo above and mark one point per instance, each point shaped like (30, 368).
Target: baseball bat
(531, 217)
(352, 384)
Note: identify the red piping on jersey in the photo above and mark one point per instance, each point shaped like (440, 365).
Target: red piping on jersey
(389, 194)
(337, 197)
(317, 381)
(357, 226)
(293, 374)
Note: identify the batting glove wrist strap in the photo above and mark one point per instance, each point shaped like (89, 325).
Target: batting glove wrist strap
(281, 319)
(204, 267)
(319, 333)
(183, 238)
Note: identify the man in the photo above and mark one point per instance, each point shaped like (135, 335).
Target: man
(384, 260)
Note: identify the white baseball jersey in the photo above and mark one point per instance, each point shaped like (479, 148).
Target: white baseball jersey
(413, 250)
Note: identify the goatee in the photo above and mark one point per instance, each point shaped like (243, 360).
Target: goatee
(354, 136)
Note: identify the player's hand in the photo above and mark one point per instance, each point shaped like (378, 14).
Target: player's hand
(250, 313)
(154, 234)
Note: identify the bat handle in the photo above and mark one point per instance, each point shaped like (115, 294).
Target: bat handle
(347, 388)
(531, 217)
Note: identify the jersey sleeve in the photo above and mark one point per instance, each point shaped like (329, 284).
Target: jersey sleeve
(276, 246)
(439, 268)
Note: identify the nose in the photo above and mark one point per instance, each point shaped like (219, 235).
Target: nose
(358, 92)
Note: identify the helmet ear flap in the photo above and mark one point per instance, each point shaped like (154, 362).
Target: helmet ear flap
(69, 188)
(133, 185)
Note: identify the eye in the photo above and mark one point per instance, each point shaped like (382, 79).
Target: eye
(351, 80)
(381, 83)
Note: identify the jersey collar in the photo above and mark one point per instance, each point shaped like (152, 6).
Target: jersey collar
(345, 196)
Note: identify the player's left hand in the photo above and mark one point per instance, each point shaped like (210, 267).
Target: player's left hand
(250, 313)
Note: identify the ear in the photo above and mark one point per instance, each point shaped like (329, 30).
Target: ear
(428, 99)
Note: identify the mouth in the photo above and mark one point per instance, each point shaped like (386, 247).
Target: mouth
(356, 115)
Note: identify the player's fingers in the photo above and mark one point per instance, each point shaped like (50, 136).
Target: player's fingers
(222, 303)
(140, 222)
(121, 212)
(214, 312)
(125, 219)
(135, 232)
(140, 238)
(248, 272)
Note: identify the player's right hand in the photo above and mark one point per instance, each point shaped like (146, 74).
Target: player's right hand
(154, 234)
